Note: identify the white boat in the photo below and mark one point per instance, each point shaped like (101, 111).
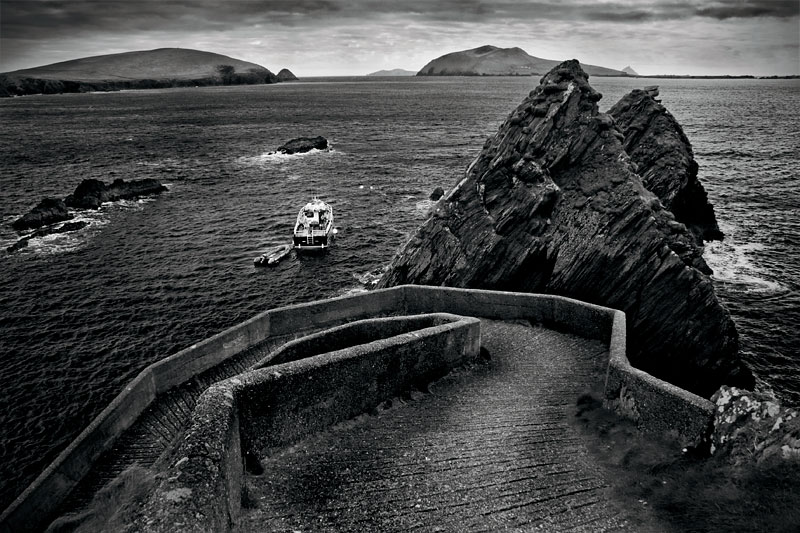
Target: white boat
(313, 231)
(273, 255)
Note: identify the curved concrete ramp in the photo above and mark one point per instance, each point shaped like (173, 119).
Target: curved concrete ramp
(487, 450)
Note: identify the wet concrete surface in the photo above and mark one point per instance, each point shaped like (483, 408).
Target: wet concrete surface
(488, 448)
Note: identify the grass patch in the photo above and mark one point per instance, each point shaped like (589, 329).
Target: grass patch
(688, 491)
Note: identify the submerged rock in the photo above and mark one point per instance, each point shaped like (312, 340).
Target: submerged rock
(304, 144)
(753, 427)
(64, 228)
(664, 159)
(91, 193)
(553, 204)
(48, 211)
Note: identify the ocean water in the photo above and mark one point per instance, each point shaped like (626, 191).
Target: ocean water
(81, 314)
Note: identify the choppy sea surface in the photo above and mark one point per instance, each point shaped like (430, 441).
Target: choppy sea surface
(82, 313)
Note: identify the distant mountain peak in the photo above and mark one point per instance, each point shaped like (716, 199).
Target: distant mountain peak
(629, 71)
(489, 60)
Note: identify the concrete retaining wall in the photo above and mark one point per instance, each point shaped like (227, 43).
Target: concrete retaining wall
(655, 405)
(278, 405)
(629, 391)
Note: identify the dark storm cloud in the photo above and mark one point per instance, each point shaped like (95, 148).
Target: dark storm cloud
(33, 18)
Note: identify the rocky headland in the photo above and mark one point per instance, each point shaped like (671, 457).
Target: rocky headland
(146, 69)
(554, 204)
(490, 60)
(301, 145)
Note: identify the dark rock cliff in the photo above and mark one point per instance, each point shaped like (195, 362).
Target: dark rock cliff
(663, 155)
(553, 204)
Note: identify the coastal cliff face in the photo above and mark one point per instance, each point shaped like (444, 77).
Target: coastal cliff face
(553, 204)
(665, 161)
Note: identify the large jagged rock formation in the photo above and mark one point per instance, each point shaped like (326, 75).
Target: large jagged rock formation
(663, 155)
(553, 204)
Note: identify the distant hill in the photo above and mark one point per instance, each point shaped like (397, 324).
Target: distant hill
(286, 75)
(493, 61)
(163, 67)
(393, 72)
(629, 71)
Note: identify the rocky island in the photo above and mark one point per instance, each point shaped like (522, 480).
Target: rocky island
(301, 145)
(490, 60)
(148, 69)
(554, 204)
(89, 194)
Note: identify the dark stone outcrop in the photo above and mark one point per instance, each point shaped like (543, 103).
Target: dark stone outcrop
(437, 193)
(663, 155)
(91, 193)
(304, 144)
(553, 204)
(64, 228)
(286, 75)
(49, 211)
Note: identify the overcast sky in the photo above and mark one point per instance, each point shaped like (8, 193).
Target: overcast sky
(352, 37)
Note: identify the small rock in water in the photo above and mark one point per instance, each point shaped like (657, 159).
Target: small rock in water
(304, 144)
(437, 193)
(91, 193)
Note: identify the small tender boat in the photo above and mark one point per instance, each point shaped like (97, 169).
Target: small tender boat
(313, 231)
(273, 255)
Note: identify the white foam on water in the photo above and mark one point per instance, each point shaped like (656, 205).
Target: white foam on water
(736, 264)
(277, 157)
(57, 243)
(424, 206)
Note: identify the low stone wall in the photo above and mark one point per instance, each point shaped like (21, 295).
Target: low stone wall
(655, 405)
(557, 312)
(277, 405)
(33, 509)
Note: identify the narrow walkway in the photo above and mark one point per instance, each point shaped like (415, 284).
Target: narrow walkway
(487, 450)
(158, 427)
